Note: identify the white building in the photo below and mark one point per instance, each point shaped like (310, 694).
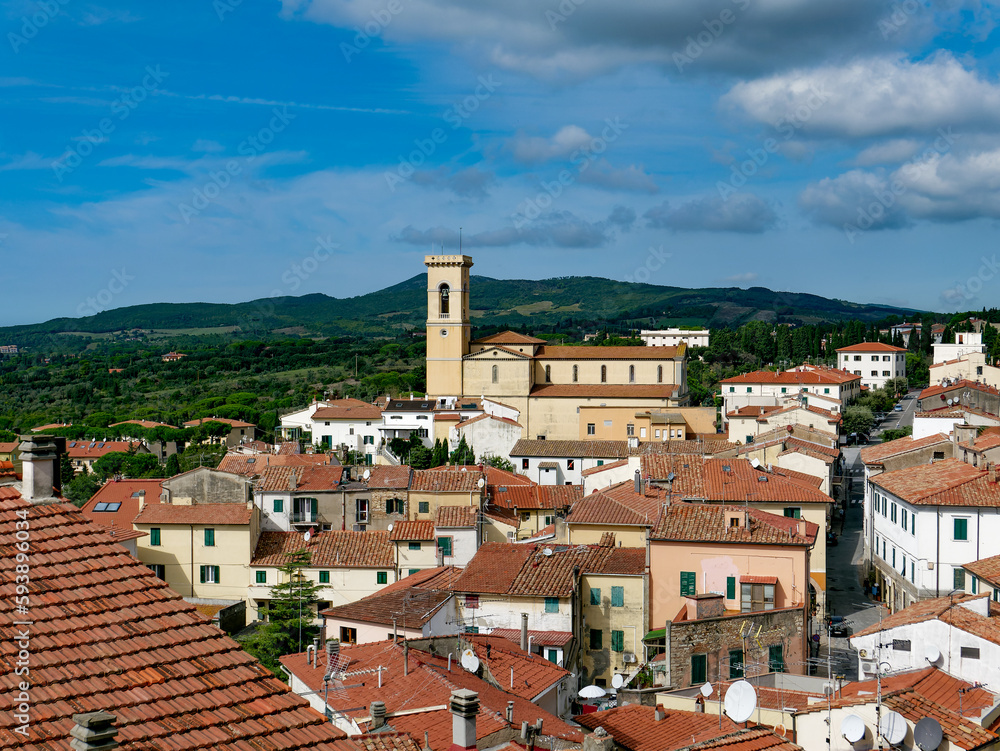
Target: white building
(966, 343)
(769, 388)
(294, 424)
(404, 417)
(673, 337)
(563, 462)
(348, 422)
(927, 522)
(489, 435)
(970, 367)
(875, 362)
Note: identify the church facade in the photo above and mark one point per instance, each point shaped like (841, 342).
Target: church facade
(548, 384)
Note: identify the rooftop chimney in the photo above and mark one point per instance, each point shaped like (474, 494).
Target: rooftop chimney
(801, 528)
(599, 740)
(93, 731)
(992, 469)
(659, 714)
(638, 482)
(378, 715)
(524, 632)
(464, 707)
(40, 466)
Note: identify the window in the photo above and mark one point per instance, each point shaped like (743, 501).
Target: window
(591, 428)
(576, 373)
(548, 374)
(970, 653)
(688, 584)
(783, 390)
(348, 635)
(699, 669)
(596, 638)
(604, 374)
(261, 577)
(894, 557)
(756, 597)
(959, 578)
(659, 374)
(551, 604)
(749, 389)
(414, 546)
(209, 574)
(608, 423)
(913, 572)
(776, 658)
(975, 586)
(595, 596)
(892, 513)
(382, 577)
(424, 507)
(600, 462)
(732, 389)
(875, 373)
(857, 372)
(471, 629)
(552, 655)
(735, 664)
(961, 529)
(524, 464)
(570, 464)
(885, 373)
(496, 374)
(793, 512)
(730, 587)
(938, 455)
(826, 391)
(630, 429)
(902, 518)
(154, 536)
(444, 545)
(631, 373)
(444, 307)
(472, 601)
(618, 597)
(160, 570)
(209, 537)
(278, 505)
(749, 439)
(324, 577)
(617, 641)
(857, 358)
(412, 571)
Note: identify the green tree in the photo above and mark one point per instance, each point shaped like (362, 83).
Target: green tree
(895, 433)
(173, 465)
(858, 419)
(917, 371)
(290, 614)
(439, 455)
(493, 460)
(81, 488)
(464, 454)
(420, 457)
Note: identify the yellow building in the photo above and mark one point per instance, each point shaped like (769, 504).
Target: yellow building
(444, 486)
(614, 611)
(548, 384)
(603, 423)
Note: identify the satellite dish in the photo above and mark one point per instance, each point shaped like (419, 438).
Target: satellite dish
(308, 535)
(469, 661)
(618, 680)
(389, 528)
(547, 552)
(893, 727)
(481, 483)
(740, 701)
(706, 690)
(852, 728)
(367, 475)
(932, 654)
(755, 463)
(927, 734)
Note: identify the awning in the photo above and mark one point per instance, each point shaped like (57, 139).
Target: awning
(758, 580)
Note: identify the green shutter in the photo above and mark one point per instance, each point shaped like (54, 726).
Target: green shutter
(324, 577)
(688, 583)
(735, 663)
(279, 505)
(424, 507)
(617, 641)
(551, 604)
(618, 597)
(215, 570)
(959, 582)
(314, 506)
(596, 638)
(154, 536)
(961, 529)
(389, 505)
(699, 669)
(382, 577)
(209, 537)
(201, 570)
(262, 577)
(445, 544)
(414, 546)
(595, 596)
(730, 587)
(776, 658)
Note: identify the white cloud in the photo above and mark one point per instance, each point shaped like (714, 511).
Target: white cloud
(633, 178)
(207, 145)
(536, 150)
(890, 152)
(741, 212)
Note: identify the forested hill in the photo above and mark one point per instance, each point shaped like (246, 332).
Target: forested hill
(542, 305)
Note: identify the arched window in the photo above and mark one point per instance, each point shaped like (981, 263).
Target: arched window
(548, 374)
(576, 373)
(659, 374)
(444, 307)
(604, 374)
(496, 374)
(631, 373)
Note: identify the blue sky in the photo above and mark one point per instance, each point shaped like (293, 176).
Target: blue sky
(225, 151)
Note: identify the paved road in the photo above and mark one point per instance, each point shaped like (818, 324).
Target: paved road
(902, 419)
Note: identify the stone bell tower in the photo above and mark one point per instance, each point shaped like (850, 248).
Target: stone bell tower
(449, 329)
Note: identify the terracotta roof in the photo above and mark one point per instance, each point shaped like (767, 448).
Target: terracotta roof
(536, 496)
(818, 448)
(556, 352)
(288, 448)
(533, 674)
(496, 476)
(635, 728)
(871, 347)
(603, 467)
(470, 421)
(959, 385)
(347, 409)
(571, 449)
(442, 577)
(52, 426)
(7, 448)
(619, 504)
(524, 571)
(508, 337)
(455, 516)
(226, 420)
(987, 569)
(96, 449)
(446, 480)
(122, 492)
(710, 480)
(609, 390)
(501, 515)
(391, 478)
(950, 482)
(416, 530)
(925, 610)
(251, 465)
(758, 580)
(698, 522)
(931, 683)
(749, 739)
(220, 514)
(703, 445)
(411, 608)
(143, 424)
(811, 377)
(109, 635)
(384, 741)
(336, 549)
(539, 638)
(752, 410)
(879, 453)
(286, 479)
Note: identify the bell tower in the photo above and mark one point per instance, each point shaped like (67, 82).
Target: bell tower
(449, 331)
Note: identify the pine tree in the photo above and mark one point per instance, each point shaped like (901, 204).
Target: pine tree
(440, 453)
(173, 465)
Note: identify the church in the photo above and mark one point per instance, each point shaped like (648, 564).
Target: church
(548, 384)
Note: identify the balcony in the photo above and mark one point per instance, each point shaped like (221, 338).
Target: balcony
(303, 517)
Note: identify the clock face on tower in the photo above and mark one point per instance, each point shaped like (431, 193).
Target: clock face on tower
(444, 332)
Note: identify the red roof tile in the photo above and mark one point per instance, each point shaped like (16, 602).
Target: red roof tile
(539, 638)
(557, 352)
(447, 480)
(499, 477)
(456, 516)
(123, 492)
(609, 390)
(226, 420)
(949, 482)
(393, 478)
(409, 608)
(336, 549)
(635, 728)
(604, 467)
(220, 514)
(314, 479)
(871, 347)
(537, 496)
(109, 635)
(932, 683)
(252, 465)
(96, 449)
(415, 530)
(814, 376)
(143, 424)
(508, 337)
(698, 522)
(918, 612)
(348, 409)
(571, 449)
(879, 453)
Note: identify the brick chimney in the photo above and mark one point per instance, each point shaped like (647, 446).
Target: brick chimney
(93, 731)
(40, 457)
(464, 706)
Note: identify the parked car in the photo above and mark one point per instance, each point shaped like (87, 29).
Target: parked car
(898, 408)
(838, 626)
(831, 538)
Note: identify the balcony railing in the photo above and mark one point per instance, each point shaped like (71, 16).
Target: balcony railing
(303, 517)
